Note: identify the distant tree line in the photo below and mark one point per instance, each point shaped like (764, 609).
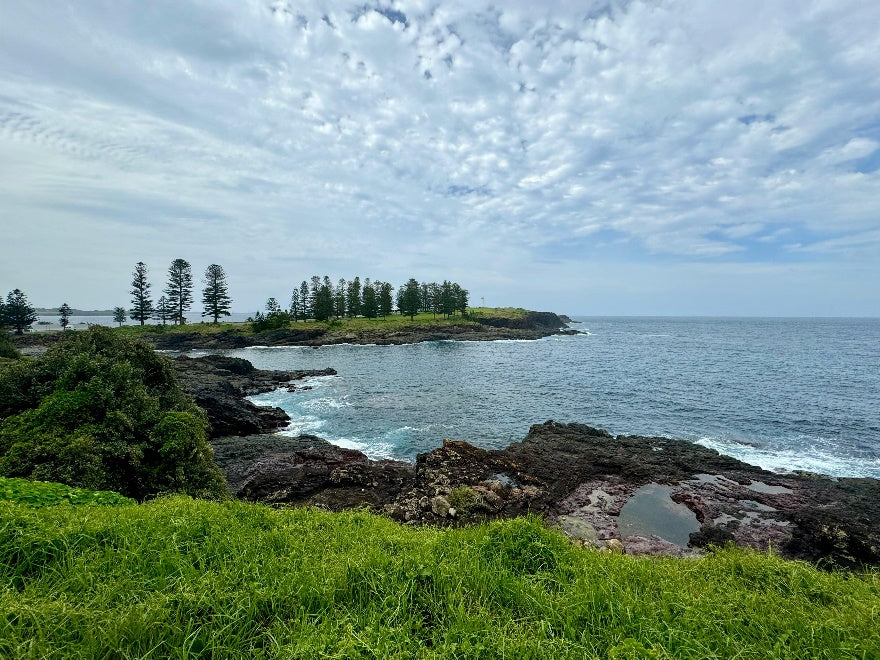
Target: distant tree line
(320, 299)
(317, 298)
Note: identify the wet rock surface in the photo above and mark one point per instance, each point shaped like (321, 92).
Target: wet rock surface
(579, 478)
(219, 384)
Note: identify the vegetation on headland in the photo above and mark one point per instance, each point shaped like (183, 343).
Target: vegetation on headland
(181, 578)
(104, 411)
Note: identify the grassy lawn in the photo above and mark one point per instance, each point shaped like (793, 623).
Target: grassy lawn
(184, 578)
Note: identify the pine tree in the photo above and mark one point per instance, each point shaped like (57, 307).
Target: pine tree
(409, 298)
(17, 312)
(370, 304)
(119, 315)
(141, 304)
(323, 302)
(163, 311)
(295, 311)
(386, 302)
(339, 298)
(64, 316)
(353, 301)
(215, 295)
(305, 308)
(179, 290)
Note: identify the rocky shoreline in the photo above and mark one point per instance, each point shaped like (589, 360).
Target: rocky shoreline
(640, 495)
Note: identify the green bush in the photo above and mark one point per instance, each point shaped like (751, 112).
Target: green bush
(103, 411)
(7, 350)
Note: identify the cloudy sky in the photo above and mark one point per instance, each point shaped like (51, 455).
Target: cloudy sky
(624, 157)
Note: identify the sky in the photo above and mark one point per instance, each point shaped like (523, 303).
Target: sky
(643, 157)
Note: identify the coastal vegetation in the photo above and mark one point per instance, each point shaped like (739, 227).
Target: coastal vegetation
(183, 578)
(17, 312)
(104, 411)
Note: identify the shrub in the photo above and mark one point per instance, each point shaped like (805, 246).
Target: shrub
(103, 411)
(463, 498)
(7, 350)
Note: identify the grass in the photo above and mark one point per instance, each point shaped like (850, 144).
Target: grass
(183, 578)
(42, 493)
(337, 325)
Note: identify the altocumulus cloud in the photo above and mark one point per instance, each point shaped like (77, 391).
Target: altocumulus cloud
(598, 157)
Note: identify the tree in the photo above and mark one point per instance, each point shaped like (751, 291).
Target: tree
(353, 299)
(17, 312)
(339, 298)
(305, 307)
(64, 316)
(295, 311)
(119, 315)
(141, 304)
(370, 304)
(461, 300)
(163, 312)
(179, 289)
(215, 295)
(386, 302)
(323, 301)
(409, 298)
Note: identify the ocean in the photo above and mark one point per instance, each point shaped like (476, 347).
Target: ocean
(784, 394)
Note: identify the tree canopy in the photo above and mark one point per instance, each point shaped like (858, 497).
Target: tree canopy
(103, 411)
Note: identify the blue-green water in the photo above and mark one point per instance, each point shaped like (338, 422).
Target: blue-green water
(781, 393)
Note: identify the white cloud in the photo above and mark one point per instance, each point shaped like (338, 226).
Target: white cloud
(418, 137)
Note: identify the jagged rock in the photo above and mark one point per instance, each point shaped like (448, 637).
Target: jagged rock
(219, 384)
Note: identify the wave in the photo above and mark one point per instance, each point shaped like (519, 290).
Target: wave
(818, 455)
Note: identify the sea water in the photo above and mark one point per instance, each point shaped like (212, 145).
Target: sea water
(784, 394)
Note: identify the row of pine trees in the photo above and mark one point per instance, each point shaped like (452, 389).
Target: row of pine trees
(319, 299)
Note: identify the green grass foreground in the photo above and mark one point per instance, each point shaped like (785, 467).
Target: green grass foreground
(184, 578)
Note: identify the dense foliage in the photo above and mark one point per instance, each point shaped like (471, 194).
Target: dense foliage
(7, 350)
(104, 411)
(181, 578)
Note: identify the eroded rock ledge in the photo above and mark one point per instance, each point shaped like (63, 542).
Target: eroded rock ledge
(219, 384)
(582, 479)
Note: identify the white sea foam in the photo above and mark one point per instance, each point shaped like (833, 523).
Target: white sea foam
(376, 450)
(302, 424)
(815, 455)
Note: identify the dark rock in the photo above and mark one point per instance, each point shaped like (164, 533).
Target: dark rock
(219, 384)
(307, 470)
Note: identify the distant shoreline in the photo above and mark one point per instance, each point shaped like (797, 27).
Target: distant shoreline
(487, 325)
